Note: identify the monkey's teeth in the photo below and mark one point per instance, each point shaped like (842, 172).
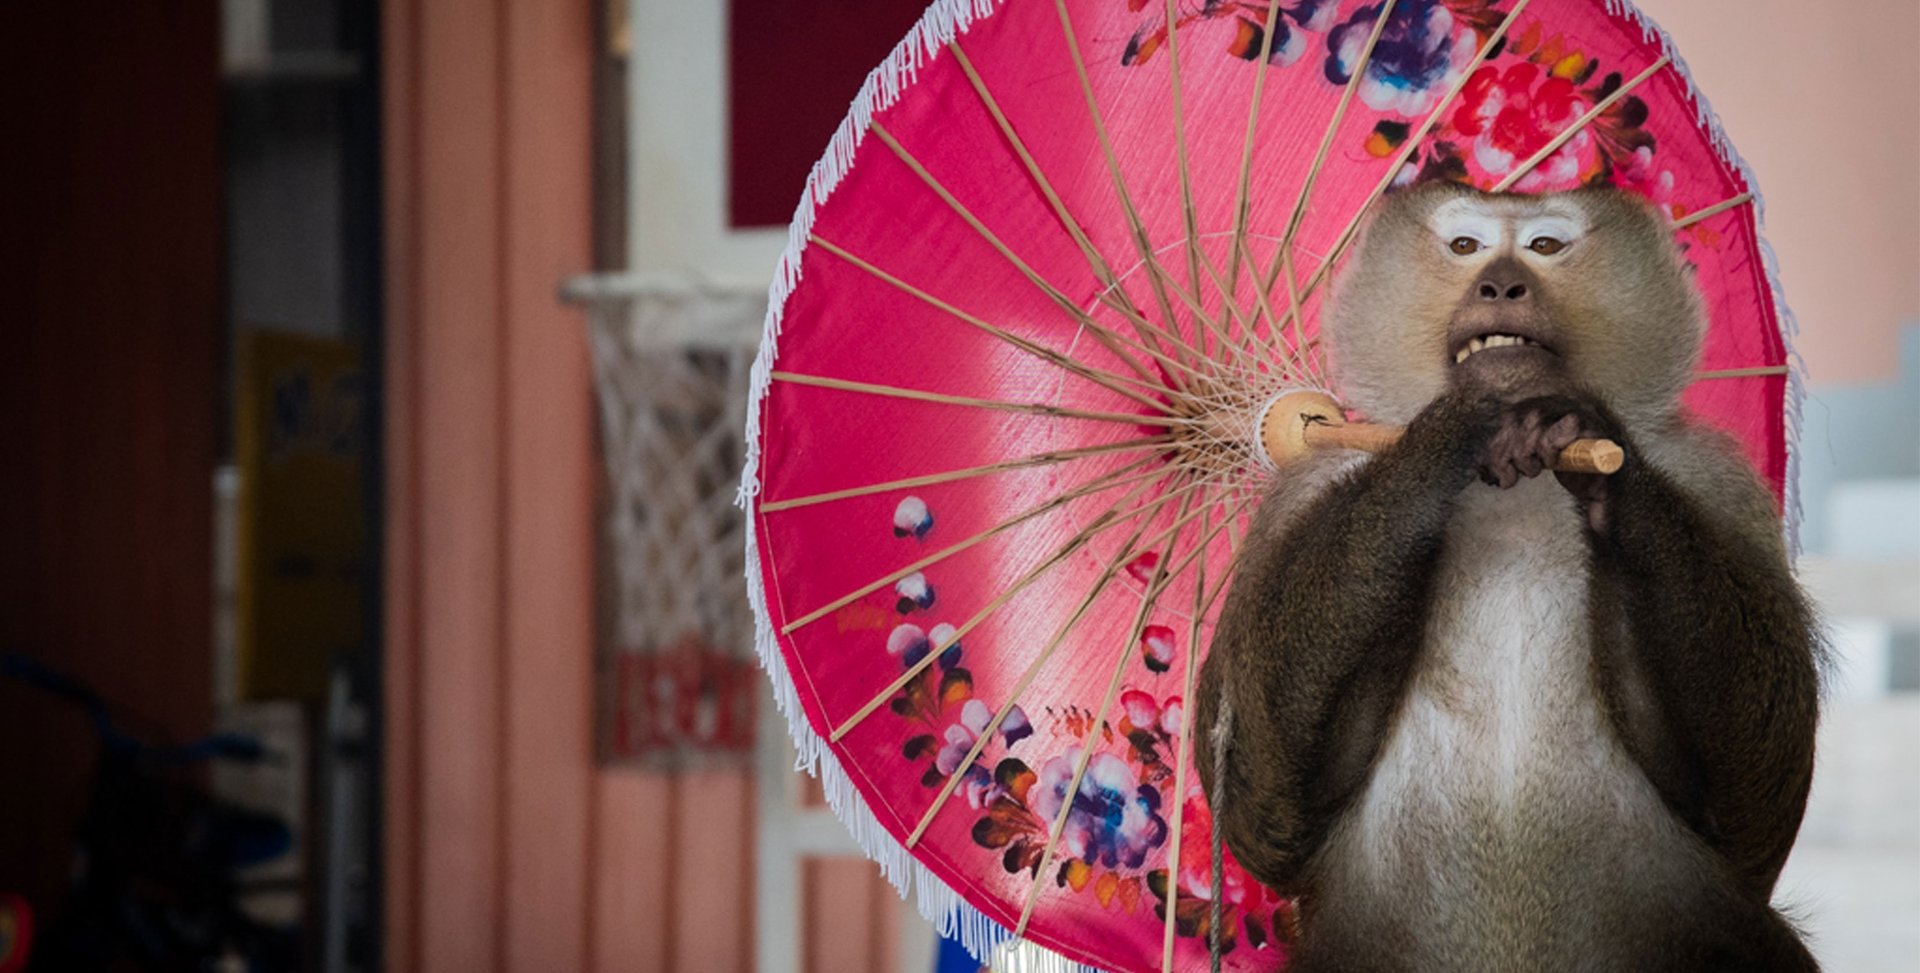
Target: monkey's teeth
(1477, 345)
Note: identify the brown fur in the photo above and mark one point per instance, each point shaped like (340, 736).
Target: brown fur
(1659, 846)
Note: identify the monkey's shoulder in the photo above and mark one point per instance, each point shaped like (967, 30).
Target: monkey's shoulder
(1707, 465)
(1295, 488)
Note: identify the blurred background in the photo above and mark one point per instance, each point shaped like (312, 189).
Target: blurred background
(342, 452)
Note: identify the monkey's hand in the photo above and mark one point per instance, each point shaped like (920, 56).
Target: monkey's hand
(1533, 431)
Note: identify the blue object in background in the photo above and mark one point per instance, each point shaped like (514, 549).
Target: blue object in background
(951, 957)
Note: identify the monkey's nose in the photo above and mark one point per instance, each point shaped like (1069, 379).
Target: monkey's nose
(1502, 287)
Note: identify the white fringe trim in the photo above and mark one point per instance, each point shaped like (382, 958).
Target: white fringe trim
(986, 939)
(1788, 323)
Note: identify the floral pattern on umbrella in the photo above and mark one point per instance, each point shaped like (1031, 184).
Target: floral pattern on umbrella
(1536, 85)
(964, 263)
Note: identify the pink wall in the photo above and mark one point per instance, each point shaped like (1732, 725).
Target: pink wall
(507, 847)
(1824, 100)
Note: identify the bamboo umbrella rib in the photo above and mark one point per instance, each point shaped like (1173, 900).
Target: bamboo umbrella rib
(1023, 408)
(1275, 340)
(1128, 549)
(1711, 211)
(992, 239)
(1203, 602)
(1050, 458)
(1579, 125)
(1400, 159)
(1124, 476)
(1180, 749)
(1162, 577)
(1223, 333)
(1242, 199)
(1112, 517)
(1189, 218)
(1126, 552)
(1754, 372)
(1104, 379)
(1114, 295)
(1140, 616)
(1199, 312)
(1300, 346)
(1101, 268)
(1354, 80)
(1155, 274)
(1233, 540)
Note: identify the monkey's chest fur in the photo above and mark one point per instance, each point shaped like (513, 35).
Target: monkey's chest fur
(1504, 825)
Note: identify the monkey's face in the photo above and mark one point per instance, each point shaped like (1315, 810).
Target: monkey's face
(1524, 294)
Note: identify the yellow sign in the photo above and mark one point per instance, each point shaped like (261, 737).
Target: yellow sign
(301, 452)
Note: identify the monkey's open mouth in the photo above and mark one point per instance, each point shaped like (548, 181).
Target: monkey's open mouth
(1484, 342)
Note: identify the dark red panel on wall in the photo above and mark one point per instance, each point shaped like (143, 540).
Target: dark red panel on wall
(792, 69)
(110, 373)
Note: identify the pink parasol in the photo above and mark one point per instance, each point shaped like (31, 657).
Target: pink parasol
(1004, 441)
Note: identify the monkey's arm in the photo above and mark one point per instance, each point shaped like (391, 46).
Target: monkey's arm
(1318, 634)
(1708, 651)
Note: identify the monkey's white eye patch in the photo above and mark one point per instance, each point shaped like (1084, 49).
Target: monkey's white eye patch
(1550, 234)
(1466, 219)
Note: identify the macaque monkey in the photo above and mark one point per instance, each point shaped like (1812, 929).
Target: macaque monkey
(1480, 719)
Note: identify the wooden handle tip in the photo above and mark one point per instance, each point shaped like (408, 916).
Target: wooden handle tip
(1592, 456)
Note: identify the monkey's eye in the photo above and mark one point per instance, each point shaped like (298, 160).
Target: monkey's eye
(1464, 245)
(1546, 246)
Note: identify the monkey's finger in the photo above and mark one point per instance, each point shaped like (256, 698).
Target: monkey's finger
(1563, 432)
(1508, 471)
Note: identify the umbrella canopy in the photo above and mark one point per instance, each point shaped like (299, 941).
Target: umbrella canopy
(1003, 443)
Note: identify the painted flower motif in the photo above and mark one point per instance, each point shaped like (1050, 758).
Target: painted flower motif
(910, 644)
(1512, 112)
(1642, 175)
(912, 518)
(1290, 27)
(1541, 85)
(1113, 821)
(1073, 722)
(1424, 48)
(980, 788)
(1109, 889)
(1016, 726)
(1144, 713)
(1157, 648)
(1250, 911)
(1149, 725)
(1142, 567)
(1009, 825)
(914, 592)
(961, 736)
(907, 641)
(926, 698)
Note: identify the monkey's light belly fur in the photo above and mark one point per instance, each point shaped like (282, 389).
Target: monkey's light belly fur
(1505, 826)
(1004, 481)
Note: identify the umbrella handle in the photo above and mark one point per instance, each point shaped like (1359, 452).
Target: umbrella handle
(1301, 421)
